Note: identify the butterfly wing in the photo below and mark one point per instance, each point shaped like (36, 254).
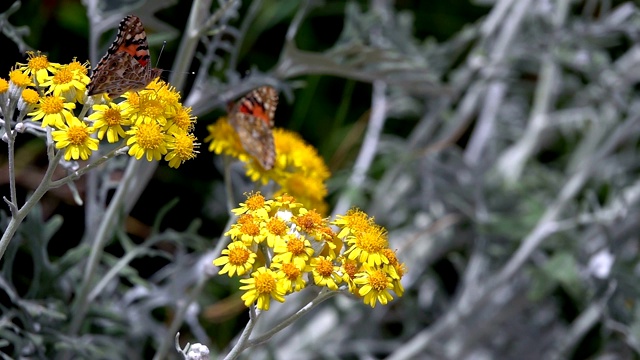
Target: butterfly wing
(256, 138)
(126, 65)
(253, 119)
(261, 103)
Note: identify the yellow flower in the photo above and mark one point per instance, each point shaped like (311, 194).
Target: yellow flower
(108, 119)
(374, 284)
(293, 249)
(248, 229)
(38, 65)
(309, 190)
(369, 246)
(80, 68)
(400, 269)
(353, 222)
(291, 276)
(148, 139)
(300, 245)
(182, 121)
(332, 244)
(349, 269)
(238, 260)
(277, 229)
(298, 154)
(325, 273)
(310, 222)
(19, 79)
(30, 96)
(28, 100)
(285, 202)
(75, 139)
(67, 83)
(145, 107)
(263, 285)
(182, 148)
(255, 205)
(4, 86)
(224, 140)
(53, 111)
(167, 94)
(298, 169)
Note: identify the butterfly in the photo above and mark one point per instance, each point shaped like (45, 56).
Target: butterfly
(126, 65)
(252, 118)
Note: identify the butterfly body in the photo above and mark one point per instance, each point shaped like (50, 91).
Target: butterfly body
(126, 65)
(252, 117)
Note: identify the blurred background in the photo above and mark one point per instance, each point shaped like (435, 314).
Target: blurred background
(505, 172)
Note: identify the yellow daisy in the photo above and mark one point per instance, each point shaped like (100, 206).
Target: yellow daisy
(374, 285)
(325, 273)
(182, 148)
(263, 285)
(75, 139)
(53, 111)
(67, 83)
(37, 66)
(148, 139)
(108, 119)
(236, 259)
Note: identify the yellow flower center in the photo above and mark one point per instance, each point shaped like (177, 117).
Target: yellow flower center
(77, 134)
(112, 117)
(276, 226)
(38, 62)
(149, 136)
(255, 202)
(327, 232)
(245, 218)
(183, 146)
(350, 269)
(265, 283)
(287, 199)
(152, 109)
(324, 267)
(63, 76)
(378, 280)
(30, 96)
(356, 220)
(295, 246)
(133, 99)
(391, 256)
(52, 105)
(77, 66)
(371, 241)
(182, 120)
(290, 271)
(250, 228)
(18, 78)
(309, 221)
(4, 85)
(168, 96)
(238, 256)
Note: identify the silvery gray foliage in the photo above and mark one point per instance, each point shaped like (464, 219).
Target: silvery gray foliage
(513, 200)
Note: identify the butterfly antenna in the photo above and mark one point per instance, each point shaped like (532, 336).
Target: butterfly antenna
(164, 43)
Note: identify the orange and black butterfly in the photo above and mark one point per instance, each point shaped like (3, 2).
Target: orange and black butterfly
(252, 117)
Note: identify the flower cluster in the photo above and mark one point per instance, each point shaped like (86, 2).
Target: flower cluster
(279, 247)
(152, 122)
(298, 169)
